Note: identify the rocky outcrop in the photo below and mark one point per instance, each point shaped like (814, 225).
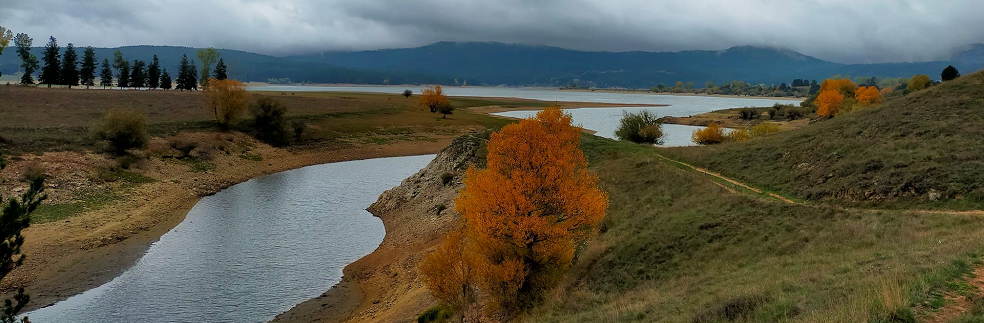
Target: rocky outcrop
(384, 286)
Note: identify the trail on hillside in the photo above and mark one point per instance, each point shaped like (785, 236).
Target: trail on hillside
(790, 201)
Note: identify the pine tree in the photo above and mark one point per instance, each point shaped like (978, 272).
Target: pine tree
(88, 70)
(106, 76)
(49, 72)
(138, 77)
(165, 80)
(28, 61)
(192, 76)
(220, 71)
(124, 79)
(154, 73)
(949, 73)
(182, 73)
(15, 216)
(69, 73)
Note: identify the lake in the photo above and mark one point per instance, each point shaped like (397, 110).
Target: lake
(251, 251)
(602, 120)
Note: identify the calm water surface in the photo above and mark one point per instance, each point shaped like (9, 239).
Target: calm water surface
(251, 251)
(602, 120)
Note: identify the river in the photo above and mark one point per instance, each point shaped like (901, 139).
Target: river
(251, 251)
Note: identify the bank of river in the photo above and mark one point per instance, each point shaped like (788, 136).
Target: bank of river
(250, 251)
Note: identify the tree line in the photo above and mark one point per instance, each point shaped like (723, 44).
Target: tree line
(65, 68)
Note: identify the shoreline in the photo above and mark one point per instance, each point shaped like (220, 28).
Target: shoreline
(612, 91)
(53, 272)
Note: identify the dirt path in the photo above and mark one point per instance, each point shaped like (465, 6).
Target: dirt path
(729, 180)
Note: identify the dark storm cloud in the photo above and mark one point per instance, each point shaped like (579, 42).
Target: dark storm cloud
(839, 30)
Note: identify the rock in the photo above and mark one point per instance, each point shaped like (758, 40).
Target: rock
(934, 195)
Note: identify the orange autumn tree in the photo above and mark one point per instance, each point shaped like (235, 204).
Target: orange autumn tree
(867, 96)
(832, 94)
(525, 213)
(433, 98)
(449, 273)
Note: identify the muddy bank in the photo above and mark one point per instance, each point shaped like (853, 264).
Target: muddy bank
(71, 255)
(384, 286)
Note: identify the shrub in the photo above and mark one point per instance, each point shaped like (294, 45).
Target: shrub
(123, 130)
(762, 129)
(435, 314)
(299, 127)
(183, 143)
(793, 114)
(772, 113)
(446, 178)
(640, 127)
(32, 172)
(713, 134)
(268, 121)
(737, 135)
(748, 114)
(949, 73)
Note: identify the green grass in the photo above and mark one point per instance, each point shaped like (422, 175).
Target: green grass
(93, 199)
(675, 247)
(893, 156)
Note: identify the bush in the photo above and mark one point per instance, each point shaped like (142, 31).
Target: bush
(123, 130)
(772, 113)
(640, 127)
(748, 114)
(446, 178)
(435, 314)
(268, 122)
(793, 114)
(737, 135)
(763, 129)
(299, 127)
(713, 134)
(33, 172)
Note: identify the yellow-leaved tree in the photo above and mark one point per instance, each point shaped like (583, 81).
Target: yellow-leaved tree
(524, 215)
(227, 99)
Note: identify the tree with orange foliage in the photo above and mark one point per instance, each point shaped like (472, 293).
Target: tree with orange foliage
(829, 102)
(227, 99)
(433, 98)
(867, 96)
(448, 272)
(886, 91)
(528, 210)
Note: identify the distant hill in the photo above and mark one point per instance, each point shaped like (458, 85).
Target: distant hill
(242, 65)
(492, 63)
(489, 63)
(921, 149)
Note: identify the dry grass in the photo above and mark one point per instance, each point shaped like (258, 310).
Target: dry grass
(678, 248)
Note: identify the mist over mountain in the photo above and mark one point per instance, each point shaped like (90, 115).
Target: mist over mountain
(494, 64)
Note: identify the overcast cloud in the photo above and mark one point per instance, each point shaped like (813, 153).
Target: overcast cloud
(848, 31)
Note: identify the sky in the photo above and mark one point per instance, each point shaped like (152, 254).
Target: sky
(855, 31)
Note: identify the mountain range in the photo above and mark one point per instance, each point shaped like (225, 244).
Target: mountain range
(493, 64)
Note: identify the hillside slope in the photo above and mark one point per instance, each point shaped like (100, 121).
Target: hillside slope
(676, 246)
(926, 148)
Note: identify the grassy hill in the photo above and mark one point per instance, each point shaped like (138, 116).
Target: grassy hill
(678, 247)
(925, 149)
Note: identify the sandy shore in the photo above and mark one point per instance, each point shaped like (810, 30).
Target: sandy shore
(70, 256)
